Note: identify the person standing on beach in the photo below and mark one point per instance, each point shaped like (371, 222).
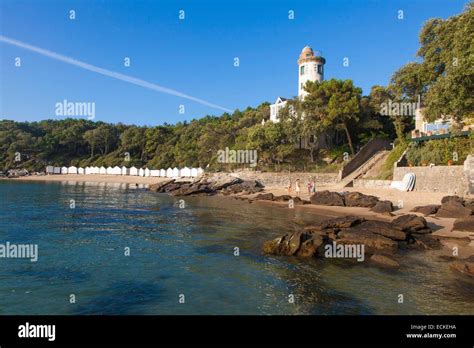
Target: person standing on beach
(313, 186)
(297, 187)
(289, 186)
(310, 186)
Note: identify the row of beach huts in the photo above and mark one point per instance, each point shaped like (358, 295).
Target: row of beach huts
(133, 171)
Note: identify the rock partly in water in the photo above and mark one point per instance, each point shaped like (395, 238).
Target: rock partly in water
(264, 197)
(357, 199)
(282, 198)
(327, 198)
(465, 267)
(301, 244)
(158, 187)
(426, 209)
(425, 242)
(246, 186)
(374, 243)
(383, 207)
(383, 228)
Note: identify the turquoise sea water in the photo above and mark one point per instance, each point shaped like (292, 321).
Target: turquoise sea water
(190, 251)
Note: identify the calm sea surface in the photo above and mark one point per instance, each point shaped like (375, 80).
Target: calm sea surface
(190, 251)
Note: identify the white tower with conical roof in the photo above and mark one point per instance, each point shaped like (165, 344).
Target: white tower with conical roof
(310, 68)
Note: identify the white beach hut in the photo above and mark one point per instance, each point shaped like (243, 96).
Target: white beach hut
(134, 171)
(80, 170)
(169, 173)
(63, 170)
(109, 170)
(147, 172)
(175, 172)
(185, 172)
(102, 170)
(116, 170)
(141, 172)
(155, 172)
(72, 170)
(125, 171)
(96, 170)
(49, 170)
(200, 171)
(88, 170)
(194, 172)
(162, 173)
(57, 170)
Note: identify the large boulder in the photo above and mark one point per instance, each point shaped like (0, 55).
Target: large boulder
(158, 187)
(426, 209)
(446, 199)
(247, 186)
(192, 189)
(465, 267)
(425, 242)
(301, 244)
(357, 199)
(383, 207)
(464, 224)
(412, 223)
(336, 223)
(327, 198)
(264, 197)
(382, 228)
(453, 209)
(374, 243)
(282, 198)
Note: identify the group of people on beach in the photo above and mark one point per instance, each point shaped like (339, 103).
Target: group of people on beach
(311, 186)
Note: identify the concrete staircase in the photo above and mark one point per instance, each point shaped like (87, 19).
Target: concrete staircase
(364, 168)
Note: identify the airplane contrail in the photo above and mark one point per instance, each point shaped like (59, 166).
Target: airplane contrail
(109, 73)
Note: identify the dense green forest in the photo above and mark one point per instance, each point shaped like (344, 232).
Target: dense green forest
(442, 78)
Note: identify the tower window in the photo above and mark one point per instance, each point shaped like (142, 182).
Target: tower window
(320, 69)
(302, 70)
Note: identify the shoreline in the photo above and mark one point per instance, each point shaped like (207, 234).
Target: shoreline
(441, 226)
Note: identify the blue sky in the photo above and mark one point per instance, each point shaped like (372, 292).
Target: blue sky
(196, 55)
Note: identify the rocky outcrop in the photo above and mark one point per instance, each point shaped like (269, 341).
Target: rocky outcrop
(464, 267)
(412, 223)
(383, 207)
(282, 198)
(336, 223)
(381, 240)
(383, 228)
(264, 197)
(357, 199)
(374, 243)
(327, 198)
(208, 185)
(453, 207)
(426, 209)
(246, 186)
(464, 224)
(302, 244)
(159, 187)
(424, 242)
